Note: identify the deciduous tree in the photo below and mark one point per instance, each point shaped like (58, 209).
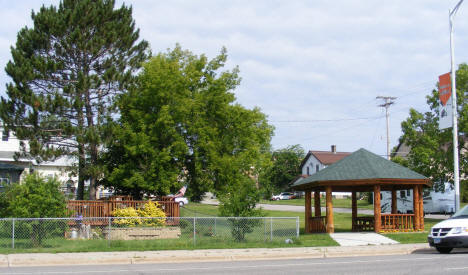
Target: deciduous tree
(180, 125)
(284, 168)
(431, 149)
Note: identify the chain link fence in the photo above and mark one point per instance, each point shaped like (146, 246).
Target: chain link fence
(145, 233)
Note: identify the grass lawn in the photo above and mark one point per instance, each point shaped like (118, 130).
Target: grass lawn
(414, 237)
(340, 203)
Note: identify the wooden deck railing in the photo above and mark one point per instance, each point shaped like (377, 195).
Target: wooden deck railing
(363, 224)
(397, 222)
(390, 222)
(105, 208)
(317, 224)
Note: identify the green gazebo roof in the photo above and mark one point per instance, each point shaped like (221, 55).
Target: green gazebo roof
(360, 167)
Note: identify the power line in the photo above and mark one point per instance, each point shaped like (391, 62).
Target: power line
(324, 120)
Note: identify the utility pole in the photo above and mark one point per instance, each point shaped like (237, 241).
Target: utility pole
(386, 105)
(456, 176)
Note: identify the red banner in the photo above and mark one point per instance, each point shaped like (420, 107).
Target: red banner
(445, 88)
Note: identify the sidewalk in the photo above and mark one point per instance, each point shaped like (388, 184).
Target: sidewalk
(174, 256)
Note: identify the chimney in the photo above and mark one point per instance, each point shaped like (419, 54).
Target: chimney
(333, 149)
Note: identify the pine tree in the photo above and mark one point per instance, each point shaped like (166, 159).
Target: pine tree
(66, 72)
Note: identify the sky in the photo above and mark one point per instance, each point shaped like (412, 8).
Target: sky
(314, 68)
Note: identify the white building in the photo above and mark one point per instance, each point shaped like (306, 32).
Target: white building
(12, 170)
(315, 161)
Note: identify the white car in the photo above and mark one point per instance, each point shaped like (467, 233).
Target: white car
(283, 196)
(181, 200)
(451, 233)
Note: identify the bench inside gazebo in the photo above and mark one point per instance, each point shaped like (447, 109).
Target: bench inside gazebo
(363, 171)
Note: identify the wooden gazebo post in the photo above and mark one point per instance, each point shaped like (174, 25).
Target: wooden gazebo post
(416, 204)
(307, 210)
(353, 210)
(330, 224)
(377, 215)
(317, 209)
(394, 202)
(421, 208)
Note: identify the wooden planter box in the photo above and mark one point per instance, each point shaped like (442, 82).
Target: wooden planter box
(142, 233)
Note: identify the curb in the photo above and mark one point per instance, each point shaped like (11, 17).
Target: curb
(209, 255)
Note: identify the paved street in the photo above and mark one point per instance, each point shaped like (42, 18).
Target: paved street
(300, 208)
(431, 263)
(297, 208)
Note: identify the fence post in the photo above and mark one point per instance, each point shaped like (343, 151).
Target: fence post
(297, 227)
(109, 231)
(271, 229)
(13, 234)
(194, 232)
(264, 229)
(215, 219)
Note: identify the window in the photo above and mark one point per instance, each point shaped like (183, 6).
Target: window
(402, 194)
(4, 182)
(408, 193)
(308, 173)
(317, 168)
(5, 136)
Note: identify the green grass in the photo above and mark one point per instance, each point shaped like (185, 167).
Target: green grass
(199, 210)
(414, 237)
(340, 203)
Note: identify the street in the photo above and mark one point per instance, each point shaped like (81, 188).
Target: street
(425, 263)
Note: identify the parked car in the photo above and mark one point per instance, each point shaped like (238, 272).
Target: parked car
(283, 196)
(181, 200)
(451, 233)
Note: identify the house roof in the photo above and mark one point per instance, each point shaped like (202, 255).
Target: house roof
(6, 166)
(361, 166)
(325, 157)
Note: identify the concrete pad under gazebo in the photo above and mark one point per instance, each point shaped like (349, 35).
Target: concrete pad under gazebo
(363, 171)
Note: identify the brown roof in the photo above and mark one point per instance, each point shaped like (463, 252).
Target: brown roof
(325, 157)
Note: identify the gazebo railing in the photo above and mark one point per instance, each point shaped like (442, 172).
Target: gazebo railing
(317, 224)
(363, 224)
(390, 223)
(397, 222)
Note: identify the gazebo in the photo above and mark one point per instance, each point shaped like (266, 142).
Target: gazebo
(363, 171)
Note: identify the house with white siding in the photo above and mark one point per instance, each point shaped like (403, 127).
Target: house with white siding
(14, 170)
(315, 161)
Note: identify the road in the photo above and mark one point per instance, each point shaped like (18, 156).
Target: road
(432, 263)
(294, 208)
(299, 208)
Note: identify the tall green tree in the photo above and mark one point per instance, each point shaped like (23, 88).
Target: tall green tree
(180, 124)
(284, 168)
(66, 71)
(431, 149)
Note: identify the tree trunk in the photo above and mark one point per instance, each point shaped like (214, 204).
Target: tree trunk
(81, 176)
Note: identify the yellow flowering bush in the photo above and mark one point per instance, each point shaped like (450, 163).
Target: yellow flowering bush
(129, 212)
(150, 209)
